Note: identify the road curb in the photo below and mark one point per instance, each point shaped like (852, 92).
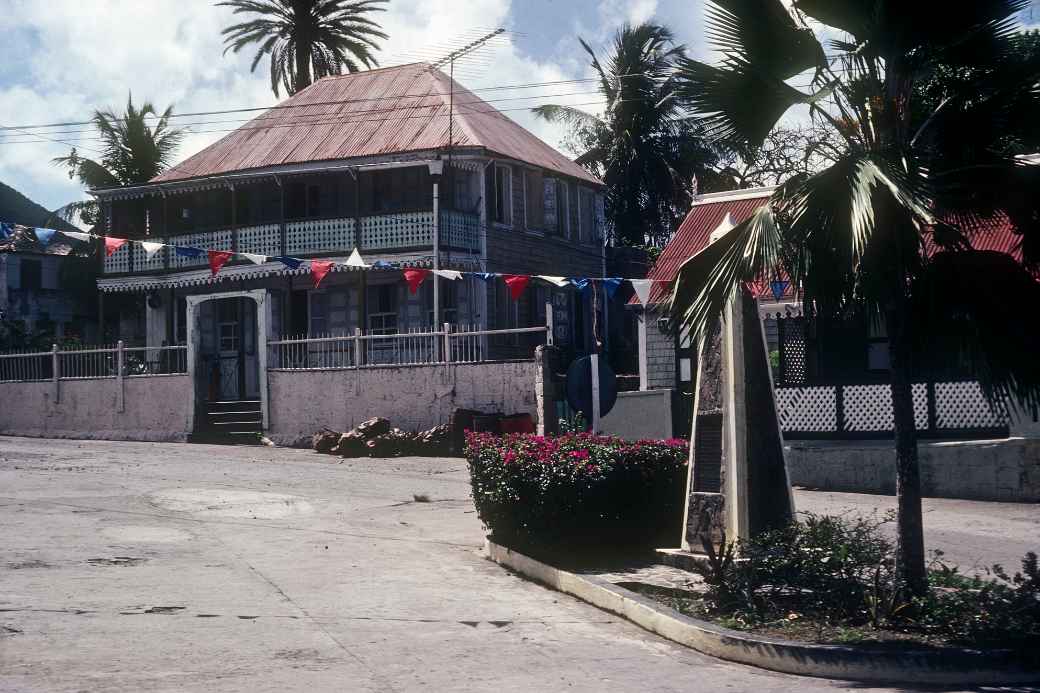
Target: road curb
(941, 666)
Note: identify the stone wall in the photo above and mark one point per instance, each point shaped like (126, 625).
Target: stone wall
(412, 397)
(993, 470)
(157, 408)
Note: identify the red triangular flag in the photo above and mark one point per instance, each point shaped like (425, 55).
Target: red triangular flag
(217, 259)
(415, 277)
(319, 268)
(113, 244)
(516, 283)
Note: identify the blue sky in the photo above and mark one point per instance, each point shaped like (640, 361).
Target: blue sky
(65, 58)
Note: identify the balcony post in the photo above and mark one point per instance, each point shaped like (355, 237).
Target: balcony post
(282, 243)
(234, 219)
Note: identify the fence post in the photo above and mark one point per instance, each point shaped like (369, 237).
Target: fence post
(120, 395)
(54, 372)
(447, 342)
(359, 358)
(549, 323)
(932, 417)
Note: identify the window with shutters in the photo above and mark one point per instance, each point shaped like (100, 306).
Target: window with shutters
(586, 215)
(534, 200)
(382, 309)
(503, 195)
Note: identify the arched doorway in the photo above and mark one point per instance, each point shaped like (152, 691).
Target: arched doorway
(227, 354)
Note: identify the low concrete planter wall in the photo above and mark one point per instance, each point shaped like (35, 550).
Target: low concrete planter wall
(155, 408)
(412, 397)
(994, 470)
(930, 667)
(644, 414)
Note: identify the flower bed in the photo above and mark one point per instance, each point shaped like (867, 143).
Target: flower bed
(578, 490)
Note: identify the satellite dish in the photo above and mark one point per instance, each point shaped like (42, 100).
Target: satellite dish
(579, 386)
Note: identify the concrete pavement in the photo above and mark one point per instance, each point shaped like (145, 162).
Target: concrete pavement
(165, 567)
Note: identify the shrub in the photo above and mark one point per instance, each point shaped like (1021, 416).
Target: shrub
(578, 490)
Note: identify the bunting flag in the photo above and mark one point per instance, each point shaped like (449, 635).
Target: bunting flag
(415, 276)
(254, 258)
(290, 262)
(44, 236)
(516, 283)
(6, 229)
(582, 284)
(382, 264)
(486, 276)
(74, 235)
(555, 281)
(778, 287)
(319, 268)
(448, 274)
(611, 284)
(642, 289)
(113, 244)
(355, 259)
(217, 259)
(151, 248)
(188, 251)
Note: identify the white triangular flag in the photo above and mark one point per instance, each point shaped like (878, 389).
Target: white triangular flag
(355, 260)
(556, 281)
(77, 235)
(642, 289)
(254, 258)
(449, 274)
(151, 248)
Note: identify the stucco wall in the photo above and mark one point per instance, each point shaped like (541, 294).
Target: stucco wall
(996, 470)
(157, 408)
(412, 397)
(637, 415)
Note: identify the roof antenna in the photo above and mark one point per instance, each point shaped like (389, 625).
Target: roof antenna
(450, 59)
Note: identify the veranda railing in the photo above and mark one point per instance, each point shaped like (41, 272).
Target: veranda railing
(450, 344)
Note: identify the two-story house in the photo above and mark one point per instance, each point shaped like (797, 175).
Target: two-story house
(400, 163)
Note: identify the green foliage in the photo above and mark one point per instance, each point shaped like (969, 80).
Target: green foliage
(644, 147)
(574, 424)
(577, 490)
(306, 39)
(840, 572)
(133, 151)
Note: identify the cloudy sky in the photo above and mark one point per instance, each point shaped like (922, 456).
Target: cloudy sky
(65, 58)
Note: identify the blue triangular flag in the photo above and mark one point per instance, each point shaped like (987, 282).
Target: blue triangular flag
(6, 229)
(582, 284)
(486, 276)
(381, 264)
(290, 262)
(611, 284)
(779, 288)
(188, 251)
(44, 236)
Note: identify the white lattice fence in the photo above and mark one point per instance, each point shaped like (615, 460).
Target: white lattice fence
(404, 230)
(119, 261)
(459, 230)
(807, 409)
(318, 235)
(962, 405)
(262, 239)
(209, 240)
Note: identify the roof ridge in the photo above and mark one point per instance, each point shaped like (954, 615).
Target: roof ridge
(734, 195)
(381, 68)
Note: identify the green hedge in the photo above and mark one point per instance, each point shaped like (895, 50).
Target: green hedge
(578, 490)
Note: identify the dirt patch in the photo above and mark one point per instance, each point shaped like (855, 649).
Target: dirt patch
(122, 561)
(28, 565)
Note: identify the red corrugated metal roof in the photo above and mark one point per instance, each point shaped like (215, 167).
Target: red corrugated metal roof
(995, 233)
(391, 110)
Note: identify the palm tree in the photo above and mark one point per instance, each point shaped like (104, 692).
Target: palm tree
(306, 39)
(643, 147)
(132, 152)
(886, 229)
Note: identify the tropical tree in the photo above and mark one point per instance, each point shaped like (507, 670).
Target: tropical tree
(133, 151)
(306, 39)
(786, 152)
(887, 229)
(644, 147)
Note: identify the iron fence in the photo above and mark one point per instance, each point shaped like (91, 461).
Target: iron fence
(94, 362)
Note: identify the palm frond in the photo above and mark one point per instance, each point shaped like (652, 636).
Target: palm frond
(762, 33)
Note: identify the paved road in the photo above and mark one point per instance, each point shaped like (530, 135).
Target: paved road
(162, 567)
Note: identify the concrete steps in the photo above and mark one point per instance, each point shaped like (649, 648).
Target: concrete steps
(233, 422)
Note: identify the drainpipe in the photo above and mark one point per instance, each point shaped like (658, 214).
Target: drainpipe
(436, 169)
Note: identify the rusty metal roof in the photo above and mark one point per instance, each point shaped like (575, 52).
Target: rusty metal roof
(387, 111)
(994, 233)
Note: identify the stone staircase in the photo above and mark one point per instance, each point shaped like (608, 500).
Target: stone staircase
(238, 422)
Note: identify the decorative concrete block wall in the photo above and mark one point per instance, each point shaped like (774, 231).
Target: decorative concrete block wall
(156, 408)
(412, 397)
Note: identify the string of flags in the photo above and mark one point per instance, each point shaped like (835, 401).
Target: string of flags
(319, 269)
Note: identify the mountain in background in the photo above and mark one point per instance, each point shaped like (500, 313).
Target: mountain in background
(16, 208)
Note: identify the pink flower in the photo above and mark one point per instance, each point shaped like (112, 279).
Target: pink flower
(510, 456)
(580, 455)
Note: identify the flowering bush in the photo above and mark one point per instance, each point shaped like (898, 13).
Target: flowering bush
(578, 489)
